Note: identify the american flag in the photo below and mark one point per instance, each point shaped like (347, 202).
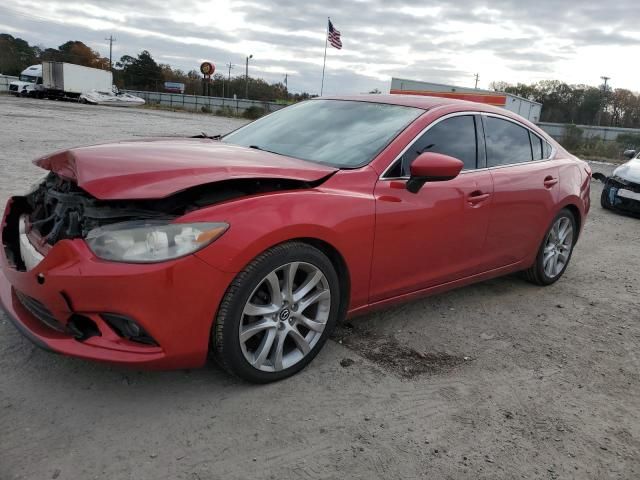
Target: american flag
(334, 37)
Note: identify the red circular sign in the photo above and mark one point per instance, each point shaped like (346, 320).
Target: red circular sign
(207, 68)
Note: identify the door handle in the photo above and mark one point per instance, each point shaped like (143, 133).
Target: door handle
(550, 181)
(477, 197)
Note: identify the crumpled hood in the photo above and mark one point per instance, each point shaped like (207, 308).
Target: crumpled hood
(629, 171)
(156, 168)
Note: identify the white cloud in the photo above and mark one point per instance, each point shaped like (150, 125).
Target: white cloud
(570, 40)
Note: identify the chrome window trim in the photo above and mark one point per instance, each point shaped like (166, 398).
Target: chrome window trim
(461, 114)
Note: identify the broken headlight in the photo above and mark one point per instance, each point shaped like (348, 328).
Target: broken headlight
(35, 185)
(150, 242)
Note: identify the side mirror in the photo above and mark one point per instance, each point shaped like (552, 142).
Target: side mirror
(629, 154)
(432, 167)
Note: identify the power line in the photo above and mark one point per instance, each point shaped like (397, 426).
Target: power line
(230, 66)
(604, 99)
(111, 40)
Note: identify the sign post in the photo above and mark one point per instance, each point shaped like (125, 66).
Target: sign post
(207, 69)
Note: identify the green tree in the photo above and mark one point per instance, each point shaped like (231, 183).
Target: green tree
(16, 54)
(141, 73)
(80, 54)
(579, 104)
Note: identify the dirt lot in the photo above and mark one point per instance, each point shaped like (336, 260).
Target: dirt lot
(497, 380)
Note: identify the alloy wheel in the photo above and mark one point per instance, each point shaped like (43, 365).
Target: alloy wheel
(284, 317)
(557, 247)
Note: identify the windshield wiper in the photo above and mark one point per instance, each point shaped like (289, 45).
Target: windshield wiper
(210, 137)
(258, 147)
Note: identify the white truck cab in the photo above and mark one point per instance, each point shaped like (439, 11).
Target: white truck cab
(29, 84)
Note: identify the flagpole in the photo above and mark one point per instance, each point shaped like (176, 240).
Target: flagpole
(326, 38)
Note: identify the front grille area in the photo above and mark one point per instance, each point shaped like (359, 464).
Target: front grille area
(41, 312)
(13, 88)
(620, 183)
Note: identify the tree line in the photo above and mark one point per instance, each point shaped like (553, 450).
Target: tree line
(140, 72)
(579, 104)
(562, 103)
(16, 54)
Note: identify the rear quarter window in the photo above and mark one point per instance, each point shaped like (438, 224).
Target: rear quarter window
(536, 146)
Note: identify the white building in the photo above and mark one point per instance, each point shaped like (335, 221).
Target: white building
(526, 108)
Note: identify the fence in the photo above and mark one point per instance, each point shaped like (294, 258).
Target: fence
(5, 80)
(557, 131)
(199, 103)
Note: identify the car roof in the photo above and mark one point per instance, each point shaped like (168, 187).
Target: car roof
(423, 102)
(449, 105)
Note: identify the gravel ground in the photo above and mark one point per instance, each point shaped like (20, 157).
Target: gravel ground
(498, 380)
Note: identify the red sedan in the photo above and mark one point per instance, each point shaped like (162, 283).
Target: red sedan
(250, 247)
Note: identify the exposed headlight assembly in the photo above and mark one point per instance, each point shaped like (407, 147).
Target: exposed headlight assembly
(36, 185)
(152, 241)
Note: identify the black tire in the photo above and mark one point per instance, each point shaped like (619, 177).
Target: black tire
(604, 198)
(536, 273)
(226, 346)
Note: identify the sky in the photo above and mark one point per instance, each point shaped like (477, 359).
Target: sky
(575, 41)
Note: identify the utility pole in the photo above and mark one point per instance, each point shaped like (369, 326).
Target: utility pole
(230, 66)
(604, 98)
(111, 40)
(286, 86)
(246, 78)
(477, 75)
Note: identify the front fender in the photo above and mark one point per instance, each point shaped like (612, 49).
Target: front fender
(344, 219)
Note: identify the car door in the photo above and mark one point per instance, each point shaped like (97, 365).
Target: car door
(525, 189)
(436, 235)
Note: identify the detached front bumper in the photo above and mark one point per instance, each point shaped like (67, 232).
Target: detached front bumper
(174, 302)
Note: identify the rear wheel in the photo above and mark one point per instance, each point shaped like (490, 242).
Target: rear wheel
(277, 314)
(555, 252)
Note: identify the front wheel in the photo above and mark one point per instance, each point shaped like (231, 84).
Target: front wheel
(555, 252)
(604, 198)
(277, 314)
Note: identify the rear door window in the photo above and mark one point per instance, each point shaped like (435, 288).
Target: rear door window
(507, 142)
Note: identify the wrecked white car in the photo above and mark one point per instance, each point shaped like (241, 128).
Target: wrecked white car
(113, 98)
(621, 190)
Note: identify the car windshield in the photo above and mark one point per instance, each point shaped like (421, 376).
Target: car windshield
(28, 78)
(340, 133)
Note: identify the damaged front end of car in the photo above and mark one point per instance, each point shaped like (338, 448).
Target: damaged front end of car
(621, 195)
(621, 191)
(133, 231)
(98, 259)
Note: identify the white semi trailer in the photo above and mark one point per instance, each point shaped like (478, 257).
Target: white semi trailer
(61, 79)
